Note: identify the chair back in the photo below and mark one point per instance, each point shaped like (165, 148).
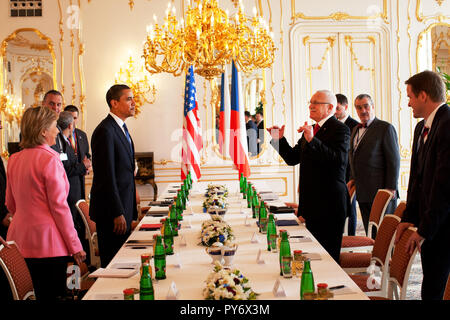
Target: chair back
(401, 263)
(384, 241)
(400, 209)
(447, 290)
(351, 191)
(378, 208)
(91, 231)
(17, 272)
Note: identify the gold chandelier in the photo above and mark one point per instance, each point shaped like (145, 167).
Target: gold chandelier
(135, 77)
(12, 107)
(208, 40)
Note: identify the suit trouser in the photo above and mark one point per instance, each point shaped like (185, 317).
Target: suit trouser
(329, 235)
(49, 276)
(365, 208)
(109, 243)
(435, 255)
(352, 219)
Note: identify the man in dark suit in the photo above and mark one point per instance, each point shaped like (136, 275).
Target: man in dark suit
(80, 144)
(5, 216)
(428, 200)
(113, 193)
(251, 128)
(343, 115)
(260, 132)
(322, 153)
(374, 158)
(74, 170)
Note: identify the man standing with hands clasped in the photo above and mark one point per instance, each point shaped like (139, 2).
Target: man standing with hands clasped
(428, 201)
(322, 153)
(113, 193)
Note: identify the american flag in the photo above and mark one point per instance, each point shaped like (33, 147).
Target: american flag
(192, 131)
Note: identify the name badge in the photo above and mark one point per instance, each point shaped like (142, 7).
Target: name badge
(63, 156)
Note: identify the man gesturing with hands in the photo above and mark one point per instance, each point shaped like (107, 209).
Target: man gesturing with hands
(322, 153)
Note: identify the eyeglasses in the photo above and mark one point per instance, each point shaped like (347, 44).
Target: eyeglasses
(317, 102)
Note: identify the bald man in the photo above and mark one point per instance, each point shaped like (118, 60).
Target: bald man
(322, 153)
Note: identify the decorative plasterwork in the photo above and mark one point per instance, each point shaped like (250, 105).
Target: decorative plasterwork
(421, 18)
(340, 16)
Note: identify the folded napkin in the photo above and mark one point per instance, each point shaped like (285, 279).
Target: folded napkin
(113, 273)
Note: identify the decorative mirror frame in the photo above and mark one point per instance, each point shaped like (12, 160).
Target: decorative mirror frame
(420, 37)
(215, 97)
(3, 48)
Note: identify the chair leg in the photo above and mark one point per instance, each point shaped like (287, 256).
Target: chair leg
(155, 189)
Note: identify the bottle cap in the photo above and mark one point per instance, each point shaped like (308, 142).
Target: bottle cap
(128, 291)
(145, 255)
(322, 285)
(298, 251)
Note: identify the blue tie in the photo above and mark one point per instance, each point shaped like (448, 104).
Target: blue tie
(127, 133)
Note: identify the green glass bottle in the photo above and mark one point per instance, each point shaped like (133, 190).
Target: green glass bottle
(241, 183)
(168, 237)
(285, 248)
(182, 199)
(244, 188)
(255, 203)
(249, 195)
(271, 234)
(307, 283)
(146, 291)
(160, 259)
(263, 218)
(179, 208)
(189, 177)
(173, 220)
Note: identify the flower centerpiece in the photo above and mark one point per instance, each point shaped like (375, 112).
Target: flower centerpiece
(227, 284)
(215, 202)
(215, 230)
(216, 189)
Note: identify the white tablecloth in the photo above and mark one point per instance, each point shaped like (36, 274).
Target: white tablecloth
(196, 263)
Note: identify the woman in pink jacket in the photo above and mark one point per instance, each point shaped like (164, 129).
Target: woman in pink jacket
(36, 194)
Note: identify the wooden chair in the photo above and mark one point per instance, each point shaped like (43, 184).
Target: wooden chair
(91, 232)
(399, 269)
(353, 262)
(17, 273)
(146, 171)
(363, 243)
(351, 187)
(400, 209)
(447, 290)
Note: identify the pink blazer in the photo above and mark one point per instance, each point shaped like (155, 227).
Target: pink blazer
(36, 194)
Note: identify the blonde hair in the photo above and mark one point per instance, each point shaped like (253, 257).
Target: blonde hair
(34, 122)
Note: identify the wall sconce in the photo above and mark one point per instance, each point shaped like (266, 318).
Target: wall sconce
(134, 77)
(12, 107)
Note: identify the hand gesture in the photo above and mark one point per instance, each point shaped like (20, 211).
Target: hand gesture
(400, 229)
(307, 131)
(87, 163)
(276, 133)
(120, 225)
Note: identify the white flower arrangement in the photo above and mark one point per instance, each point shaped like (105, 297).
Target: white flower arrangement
(215, 230)
(226, 284)
(216, 189)
(215, 201)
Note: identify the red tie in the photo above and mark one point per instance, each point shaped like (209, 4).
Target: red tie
(316, 128)
(425, 133)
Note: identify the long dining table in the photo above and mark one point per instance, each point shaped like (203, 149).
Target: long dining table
(190, 266)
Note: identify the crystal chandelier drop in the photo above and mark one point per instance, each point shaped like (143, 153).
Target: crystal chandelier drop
(208, 40)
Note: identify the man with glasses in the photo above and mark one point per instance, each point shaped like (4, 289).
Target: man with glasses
(374, 158)
(322, 153)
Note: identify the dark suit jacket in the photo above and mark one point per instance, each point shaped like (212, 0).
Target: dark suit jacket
(57, 147)
(428, 200)
(375, 164)
(113, 190)
(260, 135)
(350, 123)
(252, 133)
(82, 151)
(3, 209)
(324, 198)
